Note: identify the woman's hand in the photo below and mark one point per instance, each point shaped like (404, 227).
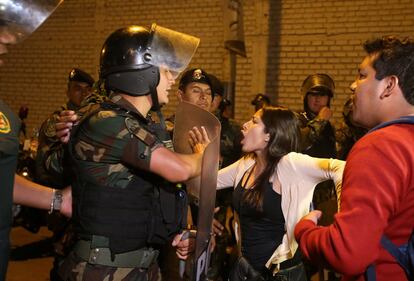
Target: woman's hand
(198, 139)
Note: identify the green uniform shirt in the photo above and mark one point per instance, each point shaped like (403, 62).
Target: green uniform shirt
(9, 149)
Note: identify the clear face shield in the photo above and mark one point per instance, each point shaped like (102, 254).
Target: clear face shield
(170, 49)
(19, 18)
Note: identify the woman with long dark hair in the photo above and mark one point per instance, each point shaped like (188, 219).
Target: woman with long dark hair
(273, 187)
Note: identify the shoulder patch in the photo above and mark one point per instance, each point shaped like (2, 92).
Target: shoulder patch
(134, 128)
(106, 114)
(4, 124)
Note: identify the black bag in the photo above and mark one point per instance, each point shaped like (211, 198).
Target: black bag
(243, 271)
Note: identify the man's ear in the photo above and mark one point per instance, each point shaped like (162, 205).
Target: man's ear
(391, 86)
(180, 95)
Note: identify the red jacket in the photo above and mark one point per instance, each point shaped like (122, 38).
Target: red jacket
(377, 198)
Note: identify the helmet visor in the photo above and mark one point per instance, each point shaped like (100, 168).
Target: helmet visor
(171, 49)
(19, 18)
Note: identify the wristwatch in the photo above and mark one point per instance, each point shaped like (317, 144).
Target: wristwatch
(56, 202)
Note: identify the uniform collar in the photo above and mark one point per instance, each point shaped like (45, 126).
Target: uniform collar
(123, 103)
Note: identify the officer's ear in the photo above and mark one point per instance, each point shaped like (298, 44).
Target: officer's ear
(180, 95)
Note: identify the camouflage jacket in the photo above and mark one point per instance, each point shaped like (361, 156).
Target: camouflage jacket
(52, 163)
(317, 136)
(52, 168)
(108, 146)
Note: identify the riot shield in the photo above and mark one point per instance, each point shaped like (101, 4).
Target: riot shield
(20, 18)
(202, 187)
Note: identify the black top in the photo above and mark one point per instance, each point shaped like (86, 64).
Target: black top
(261, 232)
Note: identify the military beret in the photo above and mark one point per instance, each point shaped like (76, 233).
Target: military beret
(79, 75)
(194, 75)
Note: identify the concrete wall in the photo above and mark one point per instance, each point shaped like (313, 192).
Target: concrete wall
(285, 41)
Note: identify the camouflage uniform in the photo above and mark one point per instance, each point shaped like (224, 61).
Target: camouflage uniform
(77, 269)
(346, 137)
(52, 167)
(113, 148)
(319, 141)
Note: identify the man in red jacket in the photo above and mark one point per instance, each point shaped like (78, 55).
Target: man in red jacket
(378, 187)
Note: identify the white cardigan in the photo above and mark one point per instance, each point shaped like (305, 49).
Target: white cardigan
(298, 175)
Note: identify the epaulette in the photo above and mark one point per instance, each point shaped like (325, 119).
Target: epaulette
(134, 128)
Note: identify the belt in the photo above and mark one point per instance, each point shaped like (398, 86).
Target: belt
(141, 258)
(266, 272)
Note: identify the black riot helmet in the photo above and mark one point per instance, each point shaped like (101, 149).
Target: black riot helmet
(131, 57)
(317, 84)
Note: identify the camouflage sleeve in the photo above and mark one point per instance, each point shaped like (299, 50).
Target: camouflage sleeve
(109, 138)
(140, 146)
(50, 158)
(316, 127)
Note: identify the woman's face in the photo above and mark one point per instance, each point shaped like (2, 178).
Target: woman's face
(255, 139)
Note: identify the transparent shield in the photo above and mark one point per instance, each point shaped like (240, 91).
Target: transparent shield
(171, 49)
(19, 18)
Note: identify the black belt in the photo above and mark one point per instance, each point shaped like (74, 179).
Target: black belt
(266, 272)
(141, 258)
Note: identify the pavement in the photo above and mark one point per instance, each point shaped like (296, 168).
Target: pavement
(30, 257)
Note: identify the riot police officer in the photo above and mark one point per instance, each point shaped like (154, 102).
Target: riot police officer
(122, 209)
(318, 134)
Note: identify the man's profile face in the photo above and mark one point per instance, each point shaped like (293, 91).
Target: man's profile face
(199, 94)
(77, 91)
(366, 98)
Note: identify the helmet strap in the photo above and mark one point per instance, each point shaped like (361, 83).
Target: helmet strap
(154, 97)
(156, 106)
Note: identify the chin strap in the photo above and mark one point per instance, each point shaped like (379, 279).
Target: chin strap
(154, 97)
(156, 106)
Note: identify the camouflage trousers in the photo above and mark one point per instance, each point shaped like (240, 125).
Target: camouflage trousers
(75, 269)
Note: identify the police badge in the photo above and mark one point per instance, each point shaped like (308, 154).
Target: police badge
(4, 124)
